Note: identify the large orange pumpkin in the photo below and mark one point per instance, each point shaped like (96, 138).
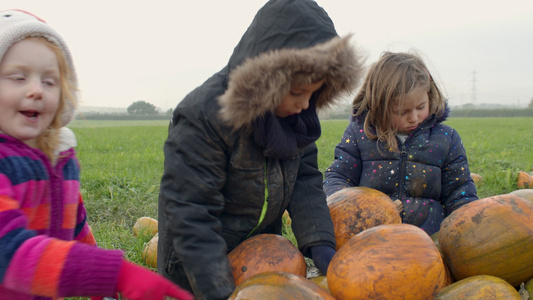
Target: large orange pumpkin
(279, 285)
(358, 208)
(391, 261)
(264, 253)
(490, 236)
(479, 287)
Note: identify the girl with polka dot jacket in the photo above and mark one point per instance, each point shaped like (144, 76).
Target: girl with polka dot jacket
(396, 143)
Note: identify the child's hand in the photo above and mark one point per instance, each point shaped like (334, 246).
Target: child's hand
(138, 283)
(322, 256)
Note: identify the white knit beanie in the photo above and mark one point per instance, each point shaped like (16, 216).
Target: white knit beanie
(16, 25)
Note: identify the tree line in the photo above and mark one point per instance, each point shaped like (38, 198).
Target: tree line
(142, 110)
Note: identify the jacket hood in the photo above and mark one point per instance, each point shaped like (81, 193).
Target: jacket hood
(445, 114)
(283, 24)
(289, 41)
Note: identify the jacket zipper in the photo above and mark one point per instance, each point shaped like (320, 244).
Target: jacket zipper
(265, 203)
(403, 162)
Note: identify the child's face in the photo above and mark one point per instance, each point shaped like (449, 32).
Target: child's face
(29, 90)
(414, 111)
(297, 99)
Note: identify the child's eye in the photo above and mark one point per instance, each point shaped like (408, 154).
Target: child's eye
(421, 107)
(296, 94)
(399, 113)
(17, 78)
(50, 81)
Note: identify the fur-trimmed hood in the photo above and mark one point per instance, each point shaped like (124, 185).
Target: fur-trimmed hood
(258, 85)
(277, 51)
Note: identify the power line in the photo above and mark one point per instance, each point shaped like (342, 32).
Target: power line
(474, 98)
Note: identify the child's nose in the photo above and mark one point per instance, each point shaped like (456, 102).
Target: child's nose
(412, 117)
(303, 105)
(35, 89)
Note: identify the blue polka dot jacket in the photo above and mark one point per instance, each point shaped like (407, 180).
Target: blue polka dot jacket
(430, 174)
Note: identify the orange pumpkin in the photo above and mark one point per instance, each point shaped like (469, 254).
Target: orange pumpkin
(478, 180)
(524, 180)
(146, 226)
(435, 238)
(149, 254)
(449, 277)
(391, 261)
(490, 236)
(479, 287)
(321, 281)
(279, 285)
(524, 193)
(358, 208)
(264, 253)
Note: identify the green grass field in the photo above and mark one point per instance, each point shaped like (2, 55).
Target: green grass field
(122, 163)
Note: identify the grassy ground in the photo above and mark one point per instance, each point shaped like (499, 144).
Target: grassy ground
(122, 163)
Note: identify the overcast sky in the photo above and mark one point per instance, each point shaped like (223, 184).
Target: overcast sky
(158, 51)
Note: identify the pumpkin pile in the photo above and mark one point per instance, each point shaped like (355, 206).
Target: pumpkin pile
(484, 250)
(148, 227)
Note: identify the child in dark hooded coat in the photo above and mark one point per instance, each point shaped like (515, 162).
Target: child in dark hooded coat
(241, 148)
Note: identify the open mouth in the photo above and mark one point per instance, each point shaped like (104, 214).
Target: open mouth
(30, 114)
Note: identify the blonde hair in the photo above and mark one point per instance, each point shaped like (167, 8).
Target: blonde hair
(386, 85)
(48, 141)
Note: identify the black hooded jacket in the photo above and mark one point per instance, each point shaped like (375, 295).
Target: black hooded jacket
(216, 175)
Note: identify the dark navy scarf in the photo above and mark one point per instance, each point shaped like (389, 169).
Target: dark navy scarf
(282, 138)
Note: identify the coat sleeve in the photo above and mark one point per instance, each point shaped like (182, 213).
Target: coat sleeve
(83, 232)
(345, 171)
(41, 265)
(311, 220)
(191, 201)
(458, 188)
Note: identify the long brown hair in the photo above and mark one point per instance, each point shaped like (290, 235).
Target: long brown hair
(387, 83)
(48, 141)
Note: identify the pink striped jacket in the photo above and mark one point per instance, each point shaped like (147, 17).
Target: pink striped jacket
(47, 248)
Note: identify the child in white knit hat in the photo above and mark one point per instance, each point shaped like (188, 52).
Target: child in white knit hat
(46, 246)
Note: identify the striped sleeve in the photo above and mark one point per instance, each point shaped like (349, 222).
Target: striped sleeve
(44, 266)
(83, 232)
